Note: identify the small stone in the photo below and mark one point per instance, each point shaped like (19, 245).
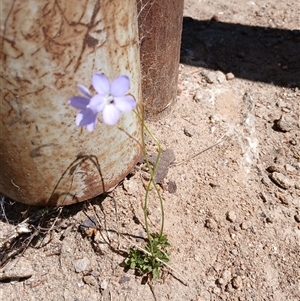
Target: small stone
(188, 132)
(179, 89)
(245, 225)
(284, 124)
(266, 181)
(234, 252)
(197, 258)
(281, 180)
(220, 281)
(89, 279)
(211, 224)
(226, 275)
(297, 218)
(293, 142)
(231, 232)
(253, 230)
(281, 104)
(130, 186)
(286, 110)
(89, 226)
(172, 187)
(104, 285)
(231, 216)
(237, 282)
(81, 265)
(216, 290)
(221, 78)
(283, 199)
(237, 228)
(265, 196)
(209, 76)
(228, 287)
(198, 96)
(273, 168)
(270, 220)
(17, 270)
(290, 168)
(229, 76)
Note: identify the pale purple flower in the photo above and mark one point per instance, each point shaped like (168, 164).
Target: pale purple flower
(111, 99)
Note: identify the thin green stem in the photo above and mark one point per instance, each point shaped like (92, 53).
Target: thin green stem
(152, 171)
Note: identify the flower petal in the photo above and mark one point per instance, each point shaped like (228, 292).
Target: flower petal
(110, 114)
(97, 103)
(84, 91)
(101, 84)
(120, 85)
(125, 104)
(79, 102)
(79, 117)
(90, 127)
(86, 117)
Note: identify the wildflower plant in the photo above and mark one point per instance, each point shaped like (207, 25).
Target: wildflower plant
(112, 99)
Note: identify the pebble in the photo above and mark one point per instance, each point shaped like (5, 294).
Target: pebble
(130, 186)
(273, 168)
(270, 220)
(231, 216)
(286, 110)
(281, 104)
(266, 181)
(188, 132)
(172, 187)
(209, 76)
(104, 285)
(245, 225)
(221, 78)
(282, 198)
(228, 287)
(290, 168)
(180, 88)
(17, 270)
(198, 96)
(216, 290)
(220, 281)
(226, 275)
(211, 224)
(297, 218)
(229, 76)
(234, 252)
(237, 282)
(265, 196)
(89, 279)
(81, 265)
(281, 180)
(284, 124)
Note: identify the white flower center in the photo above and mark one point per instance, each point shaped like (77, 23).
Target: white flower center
(109, 99)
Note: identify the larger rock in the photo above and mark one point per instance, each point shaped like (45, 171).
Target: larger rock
(281, 180)
(285, 124)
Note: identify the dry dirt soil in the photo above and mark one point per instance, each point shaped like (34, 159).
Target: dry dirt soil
(232, 211)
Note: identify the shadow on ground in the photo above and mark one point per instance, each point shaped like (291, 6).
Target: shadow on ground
(254, 53)
(33, 224)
